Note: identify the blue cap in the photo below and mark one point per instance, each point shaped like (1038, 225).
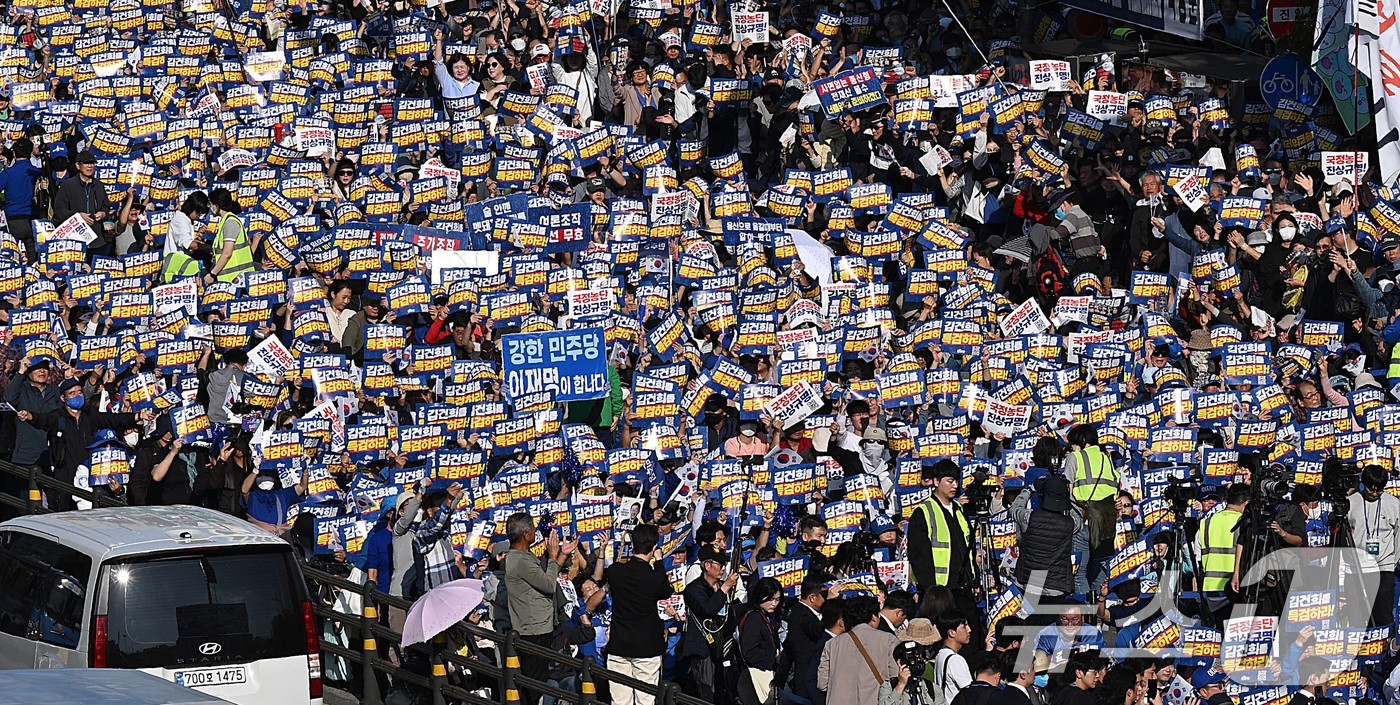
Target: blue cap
(104, 436)
(881, 524)
(1206, 676)
(58, 149)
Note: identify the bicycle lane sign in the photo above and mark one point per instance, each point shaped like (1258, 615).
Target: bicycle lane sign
(1287, 77)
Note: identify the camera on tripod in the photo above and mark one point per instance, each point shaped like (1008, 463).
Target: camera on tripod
(979, 495)
(1338, 480)
(914, 655)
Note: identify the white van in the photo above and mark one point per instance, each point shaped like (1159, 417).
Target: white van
(191, 595)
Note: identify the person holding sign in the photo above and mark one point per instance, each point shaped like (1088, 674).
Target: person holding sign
(161, 473)
(85, 196)
(71, 429)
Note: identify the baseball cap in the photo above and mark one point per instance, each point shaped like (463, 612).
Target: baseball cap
(85, 157)
(1206, 676)
(540, 50)
(710, 553)
(595, 185)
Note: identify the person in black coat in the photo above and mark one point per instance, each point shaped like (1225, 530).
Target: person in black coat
(160, 475)
(1043, 531)
(804, 632)
(71, 430)
(986, 681)
(1017, 686)
(805, 678)
(758, 642)
(637, 641)
(705, 600)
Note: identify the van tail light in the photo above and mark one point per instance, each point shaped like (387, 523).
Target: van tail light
(313, 649)
(99, 641)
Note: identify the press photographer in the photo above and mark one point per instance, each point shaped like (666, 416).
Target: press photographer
(1374, 518)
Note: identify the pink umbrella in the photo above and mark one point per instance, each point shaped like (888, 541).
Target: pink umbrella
(440, 608)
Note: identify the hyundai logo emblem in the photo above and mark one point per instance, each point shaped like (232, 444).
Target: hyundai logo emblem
(209, 648)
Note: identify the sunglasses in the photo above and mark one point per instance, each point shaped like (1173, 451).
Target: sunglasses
(344, 173)
(493, 64)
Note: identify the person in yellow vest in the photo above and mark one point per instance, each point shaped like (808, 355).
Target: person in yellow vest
(1218, 543)
(184, 253)
(1094, 483)
(941, 540)
(233, 254)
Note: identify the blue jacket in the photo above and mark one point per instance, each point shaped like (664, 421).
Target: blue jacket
(17, 183)
(379, 554)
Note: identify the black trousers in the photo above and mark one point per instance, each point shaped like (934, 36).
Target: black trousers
(535, 668)
(1383, 606)
(697, 677)
(23, 230)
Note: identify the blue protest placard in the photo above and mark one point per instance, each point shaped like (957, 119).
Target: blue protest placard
(851, 91)
(571, 364)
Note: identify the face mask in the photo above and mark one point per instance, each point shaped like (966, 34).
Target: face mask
(75, 402)
(954, 54)
(132, 438)
(265, 485)
(1315, 512)
(748, 432)
(872, 451)
(1275, 179)
(1042, 680)
(518, 44)
(1286, 234)
(1061, 212)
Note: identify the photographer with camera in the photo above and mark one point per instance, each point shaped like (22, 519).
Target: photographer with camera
(941, 540)
(1287, 530)
(1374, 516)
(916, 653)
(1041, 537)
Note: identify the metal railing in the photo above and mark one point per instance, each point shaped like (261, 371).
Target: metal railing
(503, 679)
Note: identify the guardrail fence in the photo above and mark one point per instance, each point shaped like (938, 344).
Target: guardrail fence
(381, 664)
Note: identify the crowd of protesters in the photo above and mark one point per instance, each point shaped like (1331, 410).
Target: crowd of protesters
(936, 371)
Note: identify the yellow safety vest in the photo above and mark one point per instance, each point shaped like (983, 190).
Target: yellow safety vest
(939, 538)
(1218, 550)
(242, 258)
(1392, 373)
(177, 266)
(1095, 478)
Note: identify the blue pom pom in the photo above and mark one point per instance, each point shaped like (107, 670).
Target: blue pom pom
(571, 469)
(785, 521)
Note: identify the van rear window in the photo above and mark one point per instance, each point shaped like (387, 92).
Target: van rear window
(203, 609)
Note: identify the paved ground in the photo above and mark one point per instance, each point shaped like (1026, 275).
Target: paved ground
(335, 696)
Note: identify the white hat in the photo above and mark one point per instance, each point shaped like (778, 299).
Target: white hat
(540, 49)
